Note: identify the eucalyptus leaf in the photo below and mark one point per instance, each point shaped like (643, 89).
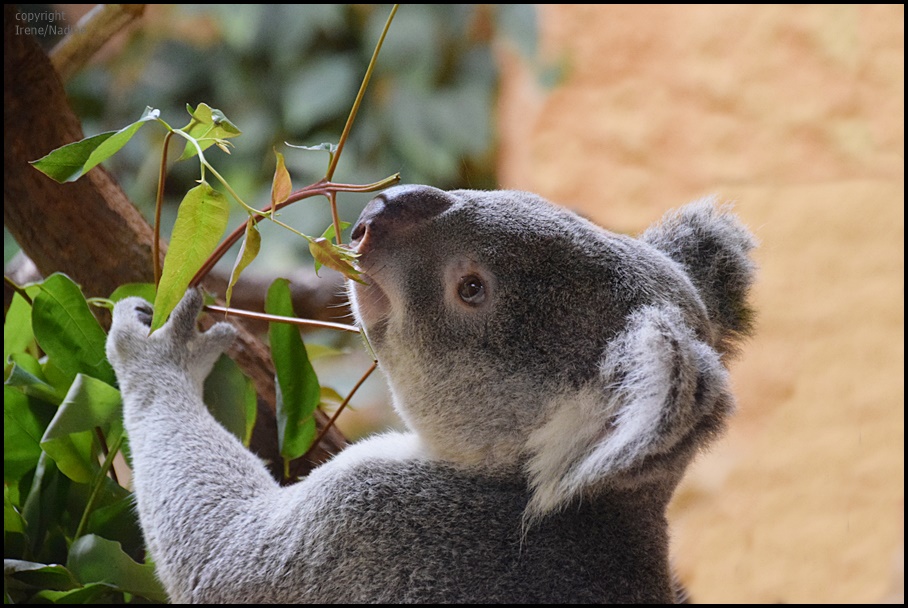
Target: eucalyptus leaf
(68, 332)
(32, 574)
(330, 399)
(44, 506)
(231, 398)
(118, 518)
(93, 559)
(208, 125)
(70, 162)
(94, 593)
(12, 519)
(89, 403)
(27, 376)
(329, 231)
(68, 438)
(336, 257)
(252, 242)
(17, 327)
(74, 455)
(201, 222)
(23, 425)
(281, 185)
(297, 385)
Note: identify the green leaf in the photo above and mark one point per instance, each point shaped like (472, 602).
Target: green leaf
(17, 327)
(28, 377)
(297, 386)
(12, 519)
(89, 403)
(117, 519)
(336, 257)
(68, 332)
(231, 397)
(93, 559)
(23, 425)
(72, 161)
(208, 125)
(201, 222)
(319, 351)
(94, 593)
(329, 231)
(330, 399)
(252, 242)
(42, 576)
(281, 185)
(74, 456)
(44, 506)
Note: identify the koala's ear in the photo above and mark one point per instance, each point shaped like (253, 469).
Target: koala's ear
(714, 248)
(662, 394)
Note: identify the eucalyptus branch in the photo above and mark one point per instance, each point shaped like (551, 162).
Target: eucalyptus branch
(203, 162)
(332, 200)
(253, 212)
(335, 157)
(341, 407)
(102, 442)
(159, 203)
(320, 188)
(97, 484)
(18, 289)
(261, 316)
(359, 96)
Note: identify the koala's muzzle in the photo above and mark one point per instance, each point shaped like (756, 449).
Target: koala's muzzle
(398, 209)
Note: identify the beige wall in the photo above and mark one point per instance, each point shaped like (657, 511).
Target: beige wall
(797, 114)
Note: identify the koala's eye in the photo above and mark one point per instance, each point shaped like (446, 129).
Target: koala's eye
(471, 290)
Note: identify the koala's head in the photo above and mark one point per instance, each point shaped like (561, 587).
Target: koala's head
(516, 335)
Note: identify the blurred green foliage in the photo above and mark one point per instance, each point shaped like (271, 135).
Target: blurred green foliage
(289, 73)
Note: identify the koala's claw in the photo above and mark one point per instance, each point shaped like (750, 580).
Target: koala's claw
(177, 344)
(182, 319)
(144, 313)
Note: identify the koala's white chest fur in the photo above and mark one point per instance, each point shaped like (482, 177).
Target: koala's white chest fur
(557, 379)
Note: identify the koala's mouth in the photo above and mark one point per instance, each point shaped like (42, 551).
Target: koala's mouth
(370, 302)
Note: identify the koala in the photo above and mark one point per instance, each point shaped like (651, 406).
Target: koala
(556, 380)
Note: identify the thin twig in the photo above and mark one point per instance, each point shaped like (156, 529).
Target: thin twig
(159, 202)
(359, 96)
(12, 284)
(261, 316)
(99, 435)
(97, 484)
(341, 407)
(319, 188)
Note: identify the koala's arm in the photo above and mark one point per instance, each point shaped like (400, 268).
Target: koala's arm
(201, 494)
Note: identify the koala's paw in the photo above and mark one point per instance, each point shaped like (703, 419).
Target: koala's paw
(176, 346)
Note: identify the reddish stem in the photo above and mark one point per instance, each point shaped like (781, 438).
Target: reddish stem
(346, 401)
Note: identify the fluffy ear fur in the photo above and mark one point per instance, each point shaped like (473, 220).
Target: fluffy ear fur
(714, 248)
(662, 393)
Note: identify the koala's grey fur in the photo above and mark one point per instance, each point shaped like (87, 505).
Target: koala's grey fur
(557, 379)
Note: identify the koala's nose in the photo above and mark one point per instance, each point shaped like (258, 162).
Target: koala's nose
(400, 208)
